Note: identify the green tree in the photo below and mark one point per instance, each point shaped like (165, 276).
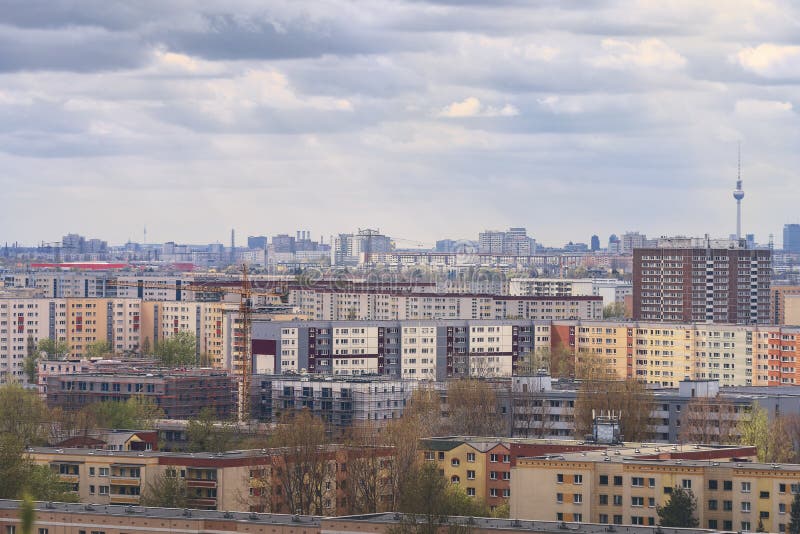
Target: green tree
(615, 310)
(794, 525)
(27, 514)
(168, 490)
(20, 475)
(23, 414)
(146, 346)
(680, 509)
(771, 439)
(429, 499)
(54, 349)
(31, 360)
(137, 412)
(178, 350)
(98, 349)
(208, 434)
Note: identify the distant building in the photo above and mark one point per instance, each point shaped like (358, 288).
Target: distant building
(514, 242)
(354, 249)
(282, 243)
(614, 244)
(595, 243)
(257, 242)
(683, 282)
(791, 238)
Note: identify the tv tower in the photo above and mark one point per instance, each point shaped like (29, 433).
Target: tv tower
(738, 194)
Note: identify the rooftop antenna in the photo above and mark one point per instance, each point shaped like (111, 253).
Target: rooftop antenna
(145, 235)
(738, 194)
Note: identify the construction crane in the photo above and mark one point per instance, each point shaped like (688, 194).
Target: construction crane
(241, 335)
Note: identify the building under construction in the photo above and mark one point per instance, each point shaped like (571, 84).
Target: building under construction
(340, 402)
(180, 393)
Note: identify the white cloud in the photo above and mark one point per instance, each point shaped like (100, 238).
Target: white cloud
(771, 61)
(472, 107)
(645, 54)
(762, 108)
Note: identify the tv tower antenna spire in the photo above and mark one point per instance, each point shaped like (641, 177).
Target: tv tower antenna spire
(738, 194)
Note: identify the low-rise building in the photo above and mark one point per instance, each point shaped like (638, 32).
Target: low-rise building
(181, 394)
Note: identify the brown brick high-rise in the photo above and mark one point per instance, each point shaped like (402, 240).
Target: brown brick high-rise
(699, 284)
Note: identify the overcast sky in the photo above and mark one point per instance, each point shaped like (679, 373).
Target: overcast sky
(426, 119)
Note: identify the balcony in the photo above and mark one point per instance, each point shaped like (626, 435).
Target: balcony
(124, 499)
(197, 483)
(125, 481)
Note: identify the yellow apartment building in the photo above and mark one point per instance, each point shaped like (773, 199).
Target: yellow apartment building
(623, 486)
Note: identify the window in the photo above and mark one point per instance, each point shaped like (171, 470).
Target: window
(470, 492)
(712, 504)
(712, 524)
(506, 458)
(727, 485)
(493, 475)
(578, 479)
(454, 479)
(763, 495)
(604, 480)
(91, 471)
(745, 506)
(712, 484)
(103, 490)
(617, 500)
(470, 475)
(763, 514)
(104, 471)
(493, 458)
(637, 520)
(637, 482)
(782, 488)
(559, 516)
(603, 519)
(455, 462)
(637, 501)
(11, 530)
(651, 482)
(560, 478)
(577, 498)
(577, 517)
(506, 492)
(604, 500)
(782, 508)
(618, 519)
(745, 487)
(686, 483)
(745, 526)
(559, 498)
(727, 524)
(493, 492)
(470, 456)
(42, 531)
(506, 475)
(651, 502)
(727, 505)
(91, 490)
(617, 480)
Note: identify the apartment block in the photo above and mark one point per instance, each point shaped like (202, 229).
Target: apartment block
(246, 480)
(540, 408)
(181, 394)
(339, 401)
(681, 282)
(391, 305)
(779, 298)
(663, 354)
(623, 486)
(416, 350)
(612, 290)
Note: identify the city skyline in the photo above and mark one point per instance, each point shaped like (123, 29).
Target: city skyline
(426, 119)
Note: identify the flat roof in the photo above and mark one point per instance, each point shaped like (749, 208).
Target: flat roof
(521, 524)
(166, 513)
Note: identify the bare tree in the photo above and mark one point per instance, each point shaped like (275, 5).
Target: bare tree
(630, 398)
(473, 409)
(709, 420)
(305, 467)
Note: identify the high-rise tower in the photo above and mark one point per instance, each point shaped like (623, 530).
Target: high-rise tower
(738, 194)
